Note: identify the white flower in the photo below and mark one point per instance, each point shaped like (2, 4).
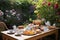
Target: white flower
(8, 16)
(18, 15)
(7, 11)
(18, 18)
(10, 11)
(1, 13)
(5, 20)
(13, 13)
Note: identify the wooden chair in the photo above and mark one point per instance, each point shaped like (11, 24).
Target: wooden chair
(2, 28)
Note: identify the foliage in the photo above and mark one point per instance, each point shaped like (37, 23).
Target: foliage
(17, 13)
(28, 10)
(4, 5)
(49, 9)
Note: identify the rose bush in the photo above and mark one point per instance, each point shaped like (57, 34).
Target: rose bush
(50, 10)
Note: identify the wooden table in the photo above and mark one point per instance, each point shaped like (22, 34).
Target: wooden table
(25, 37)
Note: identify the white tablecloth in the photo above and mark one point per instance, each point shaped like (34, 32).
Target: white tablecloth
(22, 37)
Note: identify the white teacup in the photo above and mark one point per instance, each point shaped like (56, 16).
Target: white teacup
(11, 31)
(46, 29)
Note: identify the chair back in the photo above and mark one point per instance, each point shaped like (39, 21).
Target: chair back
(3, 26)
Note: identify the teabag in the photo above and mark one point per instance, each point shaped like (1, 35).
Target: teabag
(47, 23)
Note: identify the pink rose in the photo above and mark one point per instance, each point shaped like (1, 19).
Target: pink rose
(1, 13)
(49, 3)
(56, 6)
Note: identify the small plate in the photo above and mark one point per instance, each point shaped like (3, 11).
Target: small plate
(17, 35)
(10, 33)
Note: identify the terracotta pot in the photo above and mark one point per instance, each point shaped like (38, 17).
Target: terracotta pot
(37, 22)
(21, 27)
